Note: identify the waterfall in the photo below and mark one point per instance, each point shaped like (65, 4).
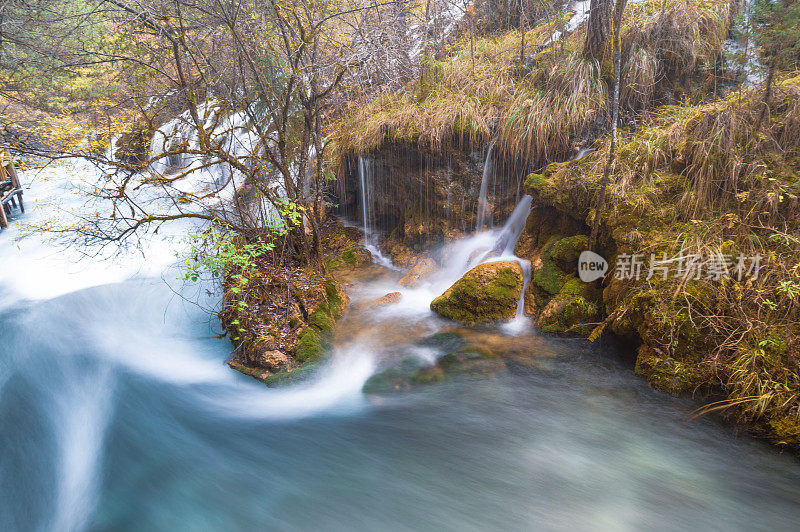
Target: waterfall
(366, 177)
(368, 185)
(507, 240)
(232, 131)
(111, 151)
(483, 204)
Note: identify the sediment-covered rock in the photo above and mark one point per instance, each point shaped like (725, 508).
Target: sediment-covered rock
(421, 270)
(488, 292)
(383, 301)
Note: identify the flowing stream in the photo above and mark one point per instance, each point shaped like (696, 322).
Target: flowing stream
(117, 411)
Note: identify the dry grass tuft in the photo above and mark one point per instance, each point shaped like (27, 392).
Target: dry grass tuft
(539, 114)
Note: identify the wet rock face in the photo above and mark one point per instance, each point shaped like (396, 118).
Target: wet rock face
(421, 197)
(384, 301)
(423, 268)
(487, 293)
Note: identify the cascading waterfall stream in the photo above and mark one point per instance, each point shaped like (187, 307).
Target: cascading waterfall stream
(366, 178)
(483, 202)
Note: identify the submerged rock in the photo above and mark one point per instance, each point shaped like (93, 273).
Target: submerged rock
(421, 270)
(488, 292)
(402, 376)
(383, 301)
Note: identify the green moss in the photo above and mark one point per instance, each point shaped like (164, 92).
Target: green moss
(346, 259)
(321, 319)
(549, 277)
(351, 257)
(534, 184)
(285, 377)
(785, 430)
(566, 251)
(336, 302)
(577, 288)
(667, 374)
(310, 346)
(564, 313)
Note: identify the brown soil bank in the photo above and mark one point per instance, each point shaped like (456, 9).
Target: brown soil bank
(281, 320)
(716, 185)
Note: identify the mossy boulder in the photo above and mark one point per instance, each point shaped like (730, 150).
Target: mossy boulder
(543, 223)
(487, 293)
(667, 374)
(545, 272)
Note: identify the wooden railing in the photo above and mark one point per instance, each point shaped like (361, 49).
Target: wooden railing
(10, 189)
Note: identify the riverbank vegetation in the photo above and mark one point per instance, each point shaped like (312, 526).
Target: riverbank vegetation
(716, 181)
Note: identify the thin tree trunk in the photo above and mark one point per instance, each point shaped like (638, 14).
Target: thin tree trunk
(767, 92)
(612, 150)
(598, 28)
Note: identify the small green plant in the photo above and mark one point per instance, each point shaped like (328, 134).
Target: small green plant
(221, 252)
(790, 288)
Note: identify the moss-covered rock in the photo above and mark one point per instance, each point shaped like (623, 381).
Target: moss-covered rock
(291, 338)
(785, 431)
(489, 292)
(574, 309)
(309, 347)
(668, 374)
(350, 258)
(545, 273)
(566, 251)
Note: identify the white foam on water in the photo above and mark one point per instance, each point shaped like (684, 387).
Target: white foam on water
(81, 406)
(33, 268)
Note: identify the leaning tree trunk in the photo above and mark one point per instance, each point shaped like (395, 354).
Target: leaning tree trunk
(598, 28)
